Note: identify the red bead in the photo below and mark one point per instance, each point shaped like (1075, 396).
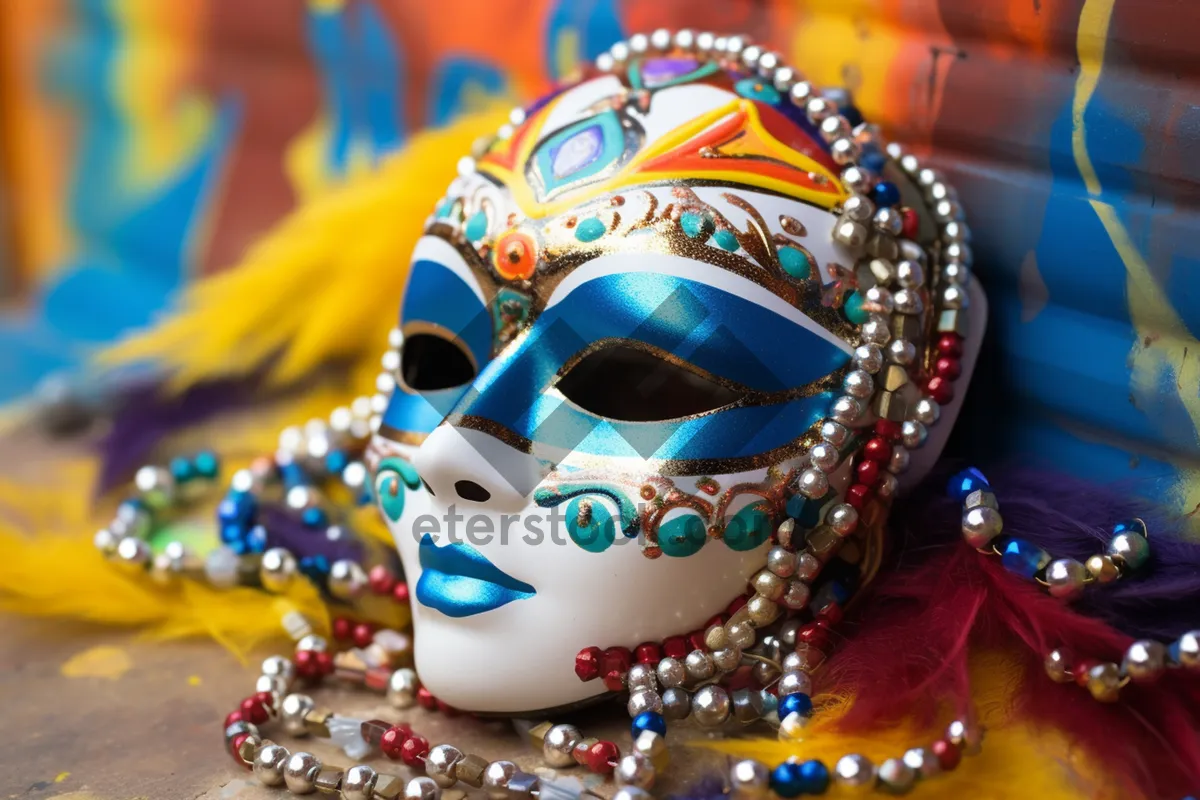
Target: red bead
(587, 663)
(393, 739)
(381, 580)
(888, 429)
(232, 717)
(877, 449)
(1081, 669)
(737, 604)
(266, 698)
(236, 745)
(948, 368)
(343, 628)
(940, 389)
(831, 614)
(254, 712)
(602, 757)
(648, 653)
(910, 223)
(614, 681)
(813, 634)
(324, 664)
(425, 699)
(858, 494)
(868, 472)
(413, 750)
(949, 344)
(364, 634)
(696, 640)
(305, 663)
(675, 647)
(616, 659)
(400, 593)
(947, 754)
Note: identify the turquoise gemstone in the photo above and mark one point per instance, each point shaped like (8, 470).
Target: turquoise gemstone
(444, 208)
(682, 536)
(590, 229)
(854, 310)
(755, 89)
(726, 240)
(1024, 558)
(795, 263)
(390, 491)
(696, 226)
(749, 528)
(476, 227)
(965, 482)
(806, 511)
(598, 533)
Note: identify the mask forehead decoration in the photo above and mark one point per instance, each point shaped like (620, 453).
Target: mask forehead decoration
(667, 344)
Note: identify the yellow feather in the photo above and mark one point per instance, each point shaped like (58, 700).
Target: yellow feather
(323, 286)
(1017, 761)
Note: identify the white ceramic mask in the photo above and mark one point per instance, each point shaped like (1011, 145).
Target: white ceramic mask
(669, 309)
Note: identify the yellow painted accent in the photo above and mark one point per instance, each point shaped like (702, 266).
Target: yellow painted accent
(166, 126)
(62, 776)
(194, 680)
(97, 662)
(327, 6)
(1164, 347)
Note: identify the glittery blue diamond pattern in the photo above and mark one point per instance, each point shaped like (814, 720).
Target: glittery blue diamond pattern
(588, 149)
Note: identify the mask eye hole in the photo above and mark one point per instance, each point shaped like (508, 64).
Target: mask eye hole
(429, 362)
(635, 385)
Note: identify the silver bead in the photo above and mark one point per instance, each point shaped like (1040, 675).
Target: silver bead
(106, 542)
(843, 518)
(677, 704)
(958, 251)
(605, 62)
(558, 745)
(728, 659)
(156, 486)
(927, 411)
(440, 763)
(910, 274)
(269, 763)
(768, 64)
(858, 208)
(858, 383)
(685, 39)
(845, 151)
(300, 773)
(762, 611)
(1058, 666)
(902, 352)
(642, 700)
(887, 485)
(833, 128)
(856, 180)
(422, 787)
(787, 633)
(834, 432)
(1189, 650)
(496, 778)
(813, 483)
(749, 780)
(699, 665)
(824, 456)
(765, 673)
(641, 676)
(846, 410)
(661, 39)
(619, 52)
(896, 777)
(795, 683)
(785, 534)
(734, 45)
(946, 210)
(910, 164)
(346, 579)
(796, 595)
(923, 762)
(876, 330)
(132, 554)
(807, 566)
(313, 642)
(781, 562)
(850, 233)
(359, 783)
(1065, 577)
(869, 358)
(1131, 548)
(293, 709)
(954, 272)
(402, 688)
(889, 221)
(883, 270)
(639, 43)
(1104, 682)
(913, 434)
(908, 301)
(631, 793)
(671, 672)
(710, 706)
(635, 770)
(854, 772)
(954, 296)
(741, 634)
(818, 108)
(277, 569)
(1145, 661)
(279, 667)
(800, 93)
(981, 525)
(766, 584)
(750, 57)
(878, 300)
(956, 232)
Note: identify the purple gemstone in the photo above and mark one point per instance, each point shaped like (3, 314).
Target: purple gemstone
(577, 152)
(657, 71)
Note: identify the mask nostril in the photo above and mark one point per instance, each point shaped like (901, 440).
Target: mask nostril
(470, 490)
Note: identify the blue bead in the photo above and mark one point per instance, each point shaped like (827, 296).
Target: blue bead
(799, 703)
(841, 593)
(239, 547)
(649, 721)
(1024, 558)
(293, 474)
(256, 539)
(873, 159)
(965, 482)
(232, 533)
(814, 777)
(336, 461)
(182, 470)
(207, 464)
(365, 498)
(786, 780)
(237, 508)
(805, 511)
(314, 518)
(885, 193)
(1130, 526)
(315, 567)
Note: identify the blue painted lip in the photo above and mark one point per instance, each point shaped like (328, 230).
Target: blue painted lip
(457, 580)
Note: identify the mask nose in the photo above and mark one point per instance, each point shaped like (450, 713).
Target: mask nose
(461, 465)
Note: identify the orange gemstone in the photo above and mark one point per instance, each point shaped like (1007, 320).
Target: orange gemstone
(515, 255)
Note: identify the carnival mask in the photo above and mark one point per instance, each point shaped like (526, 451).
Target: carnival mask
(666, 346)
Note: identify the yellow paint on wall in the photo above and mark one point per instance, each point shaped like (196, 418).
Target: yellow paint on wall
(97, 662)
(1164, 347)
(62, 776)
(194, 680)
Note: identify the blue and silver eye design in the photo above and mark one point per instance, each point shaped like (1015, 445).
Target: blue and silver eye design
(583, 151)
